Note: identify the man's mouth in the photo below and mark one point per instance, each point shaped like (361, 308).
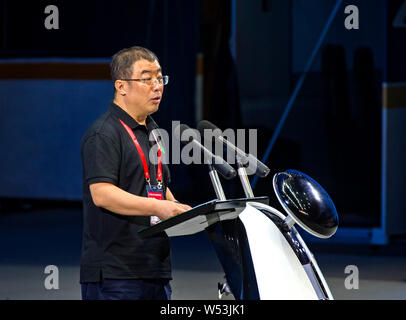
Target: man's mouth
(156, 99)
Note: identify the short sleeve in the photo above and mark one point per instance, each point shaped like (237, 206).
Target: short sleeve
(101, 159)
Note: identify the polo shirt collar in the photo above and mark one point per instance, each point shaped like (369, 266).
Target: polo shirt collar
(128, 120)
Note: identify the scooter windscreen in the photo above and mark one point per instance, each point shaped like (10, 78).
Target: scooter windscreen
(306, 202)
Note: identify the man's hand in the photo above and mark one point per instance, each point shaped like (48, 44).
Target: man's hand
(166, 209)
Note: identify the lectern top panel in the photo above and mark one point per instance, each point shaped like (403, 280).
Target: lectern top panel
(200, 217)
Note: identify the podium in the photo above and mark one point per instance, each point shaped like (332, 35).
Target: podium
(262, 257)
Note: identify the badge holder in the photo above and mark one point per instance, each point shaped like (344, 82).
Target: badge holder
(153, 191)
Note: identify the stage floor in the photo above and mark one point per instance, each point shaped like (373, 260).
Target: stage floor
(30, 241)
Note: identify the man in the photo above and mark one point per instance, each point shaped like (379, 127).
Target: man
(124, 190)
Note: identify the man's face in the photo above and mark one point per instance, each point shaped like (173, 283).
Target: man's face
(141, 96)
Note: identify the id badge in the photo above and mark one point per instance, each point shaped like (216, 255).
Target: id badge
(156, 193)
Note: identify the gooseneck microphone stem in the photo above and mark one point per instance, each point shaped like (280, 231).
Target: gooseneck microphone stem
(215, 163)
(232, 147)
(247, 159)
(242, 173)
(215, 180)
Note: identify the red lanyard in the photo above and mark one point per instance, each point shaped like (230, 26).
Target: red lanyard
(142, 156)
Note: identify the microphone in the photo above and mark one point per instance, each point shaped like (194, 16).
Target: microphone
(260, 169)
(191, 136)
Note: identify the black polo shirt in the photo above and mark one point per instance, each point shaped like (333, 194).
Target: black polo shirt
(111, 246)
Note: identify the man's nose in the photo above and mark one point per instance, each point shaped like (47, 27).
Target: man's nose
(156, 86)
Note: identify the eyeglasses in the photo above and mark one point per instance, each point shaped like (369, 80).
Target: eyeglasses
(151, 81)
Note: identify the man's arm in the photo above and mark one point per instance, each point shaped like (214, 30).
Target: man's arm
(114, 199)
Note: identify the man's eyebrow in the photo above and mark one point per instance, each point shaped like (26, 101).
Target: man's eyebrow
(150, 71)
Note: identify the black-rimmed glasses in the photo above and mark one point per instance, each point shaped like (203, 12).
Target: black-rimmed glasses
(151, 81)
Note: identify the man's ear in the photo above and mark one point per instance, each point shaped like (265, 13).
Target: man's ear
(120, 87)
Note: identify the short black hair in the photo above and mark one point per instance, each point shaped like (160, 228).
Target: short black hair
(122, 62)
